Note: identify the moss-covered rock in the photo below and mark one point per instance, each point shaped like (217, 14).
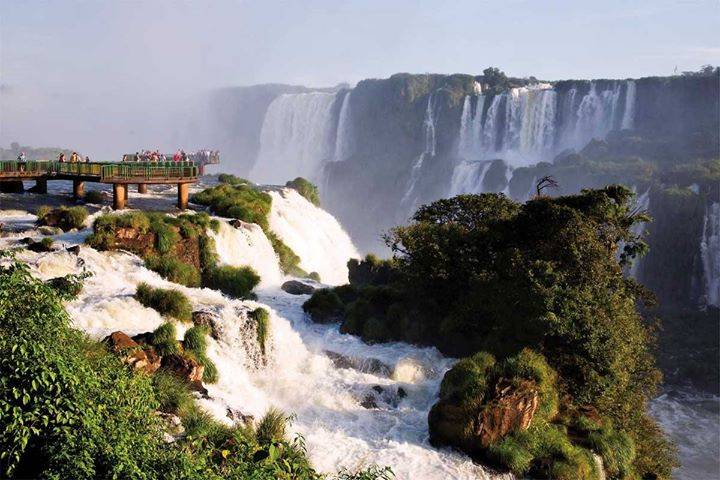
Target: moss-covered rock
(65, 218)
(324, 306)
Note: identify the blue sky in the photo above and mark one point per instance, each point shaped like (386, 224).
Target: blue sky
(87, 73)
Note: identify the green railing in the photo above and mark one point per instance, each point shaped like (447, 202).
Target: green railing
(104, 171)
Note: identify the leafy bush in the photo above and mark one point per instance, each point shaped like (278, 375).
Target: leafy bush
(166, 301)
(288, 259)
(63, 217)
(231, 179)
(195, 342)
(306, 189)
(324, 306)
(174, 270)
(241, 201)
(236, 282)
(171, 393)
(262, 324)
(271, 427)
(94, 196)
(67, 287)
(164, 339)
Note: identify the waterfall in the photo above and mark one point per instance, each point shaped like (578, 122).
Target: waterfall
(526, 125)
(429, 150)
(343, 138)
(246, 244)
(313, 234)
(296, 137)
(468, 177)
(628, 118)
(710, 254)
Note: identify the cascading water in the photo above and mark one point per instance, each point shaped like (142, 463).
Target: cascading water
(710, 254)
(313, 234)
(530, 124)
(429, 150)
(343, 137)
(296, 137)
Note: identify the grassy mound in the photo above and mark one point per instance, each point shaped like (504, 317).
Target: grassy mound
(306, 189)
(166, 301)
(62, 217)
(237, 282)
(195, 342)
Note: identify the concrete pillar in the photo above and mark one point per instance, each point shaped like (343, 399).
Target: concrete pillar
(120, 193)
(40, 185)
(78, 188)
(142, 188)
(183, 191)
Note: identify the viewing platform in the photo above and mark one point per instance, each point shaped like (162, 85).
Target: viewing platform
(120, 175)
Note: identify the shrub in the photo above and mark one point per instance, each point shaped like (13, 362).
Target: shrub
(47, 242)
(271, 427)
(94, 196)
(174, 270)
(164, 339)
(171, 393)
(314, 276)
(375, 331)
(166, 301)
(240, 201)
(324, 306)
(236, 282)
(63, 217)
(287, 258)
(232, 179)
(306, 189)
(262, 324)
(67, 287)
(165, 236)
(195, 342)
(42, 211)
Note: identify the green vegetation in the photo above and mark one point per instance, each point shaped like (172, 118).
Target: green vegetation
(174, 270)
(246, 202)
(164, 339)
(47, 243)
(63, 217)
(166, 301)
(262, 321)
(67, 287)
(71, 409)
(232, 179)
(236, 282)
(306, 189)
(94, 196)
(481, 273)
(195, 342)
(324, 306)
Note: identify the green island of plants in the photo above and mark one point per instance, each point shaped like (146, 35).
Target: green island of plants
(71, 409)
(306, 189)
(178, 248)
(63, 217)
(166, 301)
(533, 295)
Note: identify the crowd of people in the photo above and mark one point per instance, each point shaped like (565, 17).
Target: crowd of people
(74, 158)
(178, 156)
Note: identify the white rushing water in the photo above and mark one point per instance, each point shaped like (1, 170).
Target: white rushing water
(429, 151)
(313, 234)
(296, 137)
(710, 254)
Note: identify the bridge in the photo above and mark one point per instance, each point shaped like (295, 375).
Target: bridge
(119, 175)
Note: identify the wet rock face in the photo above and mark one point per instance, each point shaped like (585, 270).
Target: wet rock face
(512, 409)
(365, 365)
(131, 353)
(296, 287)
(239, 418)
(209, 319)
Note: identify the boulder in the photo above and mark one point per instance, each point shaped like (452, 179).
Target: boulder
(512, 409)
(173, 428)
(185, 368)
(209, 319)
(131, 353)
(75, 249)
(40, 247)
(296, 287)
(369, 402)
(365, 365)
(239, 417)
(48, 230)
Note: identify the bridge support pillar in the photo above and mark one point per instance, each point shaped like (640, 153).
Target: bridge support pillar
(78, 188)
(120, 193)
(40, 186)
(183, 191)
(142, 188)
(201, 169)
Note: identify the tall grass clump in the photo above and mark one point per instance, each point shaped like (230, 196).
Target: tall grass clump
(262, 324)
(169, 302)
(236, 282)
(164, 339)
(195, 342)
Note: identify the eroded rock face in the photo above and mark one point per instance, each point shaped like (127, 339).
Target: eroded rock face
(512, 409)
(365, 365)
(132, 353)
(296, 287)
(183, 367)
(473, 426)
(208, 319)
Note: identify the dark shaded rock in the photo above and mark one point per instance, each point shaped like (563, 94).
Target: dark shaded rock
(239, 417)
(378, 388)
(40, 247)
(143, 338)
(131, 353)
(296, 287)
(369, 402)
(47, 230)
(208, 319)
(401, 393)
(365, 365)
(75, 249)
(12, 187)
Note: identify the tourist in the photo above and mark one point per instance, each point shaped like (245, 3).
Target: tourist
(61, 158)
(21, 160)
(74, 158)
(177, 156)
(87, 159)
